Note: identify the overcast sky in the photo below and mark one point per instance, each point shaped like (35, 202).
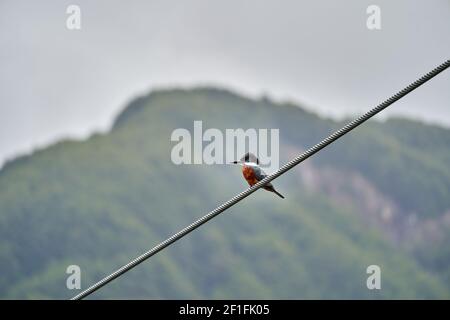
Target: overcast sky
(58, 83)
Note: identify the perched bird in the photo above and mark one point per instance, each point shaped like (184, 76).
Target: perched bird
(253, 173)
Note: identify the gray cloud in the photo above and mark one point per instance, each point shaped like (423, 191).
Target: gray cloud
(55, 82)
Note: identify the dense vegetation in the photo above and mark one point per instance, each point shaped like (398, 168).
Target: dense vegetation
(100, 202)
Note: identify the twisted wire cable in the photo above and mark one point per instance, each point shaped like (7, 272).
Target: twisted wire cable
(302, 157)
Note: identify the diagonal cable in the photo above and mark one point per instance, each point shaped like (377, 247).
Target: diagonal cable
(305, 155)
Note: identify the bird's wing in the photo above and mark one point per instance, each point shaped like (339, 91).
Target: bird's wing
(259, 173)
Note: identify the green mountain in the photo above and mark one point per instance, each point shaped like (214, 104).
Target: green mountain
(378, 196)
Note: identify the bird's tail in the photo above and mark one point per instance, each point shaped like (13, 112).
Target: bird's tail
(272, 189)
(278, 194)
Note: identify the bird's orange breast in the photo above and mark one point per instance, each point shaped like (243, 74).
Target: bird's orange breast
(249, 175)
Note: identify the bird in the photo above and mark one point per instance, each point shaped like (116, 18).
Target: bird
(253, 173)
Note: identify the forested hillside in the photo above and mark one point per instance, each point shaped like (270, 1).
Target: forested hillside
(380, 195)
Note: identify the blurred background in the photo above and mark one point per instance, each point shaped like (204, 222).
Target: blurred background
(86, 176)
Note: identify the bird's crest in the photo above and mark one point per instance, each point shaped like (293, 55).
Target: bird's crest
(250, 157)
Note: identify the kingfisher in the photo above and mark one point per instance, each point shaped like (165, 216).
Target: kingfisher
(253, 173)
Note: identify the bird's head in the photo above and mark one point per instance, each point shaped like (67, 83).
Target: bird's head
(247, 158)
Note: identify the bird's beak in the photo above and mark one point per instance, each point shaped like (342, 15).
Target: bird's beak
(234, 162)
